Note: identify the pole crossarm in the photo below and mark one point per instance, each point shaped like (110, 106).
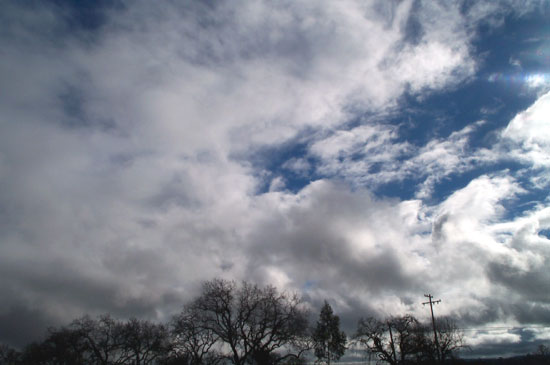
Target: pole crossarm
(429, 296)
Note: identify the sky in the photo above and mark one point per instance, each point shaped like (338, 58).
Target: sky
(362, 152)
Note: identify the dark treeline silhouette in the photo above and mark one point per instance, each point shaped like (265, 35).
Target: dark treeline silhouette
(239, 324)
(96, 341)
(227, 323)
(404, 340)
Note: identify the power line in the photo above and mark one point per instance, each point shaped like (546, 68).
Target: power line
(500, 328)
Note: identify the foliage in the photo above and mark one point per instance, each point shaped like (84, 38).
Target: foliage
(329, 341)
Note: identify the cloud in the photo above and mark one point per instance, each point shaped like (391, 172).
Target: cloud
(334, 243)
(521, 269)
(365, 154)
(376, 154)
(495, 337)
(529, 134)
(538, 81)
(128, 175)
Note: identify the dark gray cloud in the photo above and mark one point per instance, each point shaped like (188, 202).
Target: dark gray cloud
(532, 283)
(314, 237)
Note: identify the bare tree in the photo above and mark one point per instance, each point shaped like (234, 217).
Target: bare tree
(451, 338)
(254, 323)
(404, 340)
(373, 334)
(9, 355)
(191, 342)
(142, 342)
(103, 341)
(407, 336)
(61, 346)
(394, 340)
(84, 341)
(102, 338)
(543, 350)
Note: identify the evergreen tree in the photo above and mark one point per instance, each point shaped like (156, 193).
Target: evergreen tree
(329, 341)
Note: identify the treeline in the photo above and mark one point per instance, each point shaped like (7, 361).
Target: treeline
(239, 324)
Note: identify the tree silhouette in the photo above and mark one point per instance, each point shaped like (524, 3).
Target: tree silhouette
(143, 342)
(451, 339)
(395, 340)
(192, 342)
(103, 341)
(9, 355)
(329, 341)
(255, 324)
(102, 338)
(240, 324)
(404, 340)
(543, 350)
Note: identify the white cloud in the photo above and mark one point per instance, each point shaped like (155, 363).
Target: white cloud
(498, 336)
(432, 65)
(529, 133)
(538, 81)
(375, 154)
(354, 153)
(299, 166)
(541, 333)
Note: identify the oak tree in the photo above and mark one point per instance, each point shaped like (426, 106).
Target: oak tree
(257, 324)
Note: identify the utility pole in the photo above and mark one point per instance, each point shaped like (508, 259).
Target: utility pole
(392, 344)
(431, 303)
